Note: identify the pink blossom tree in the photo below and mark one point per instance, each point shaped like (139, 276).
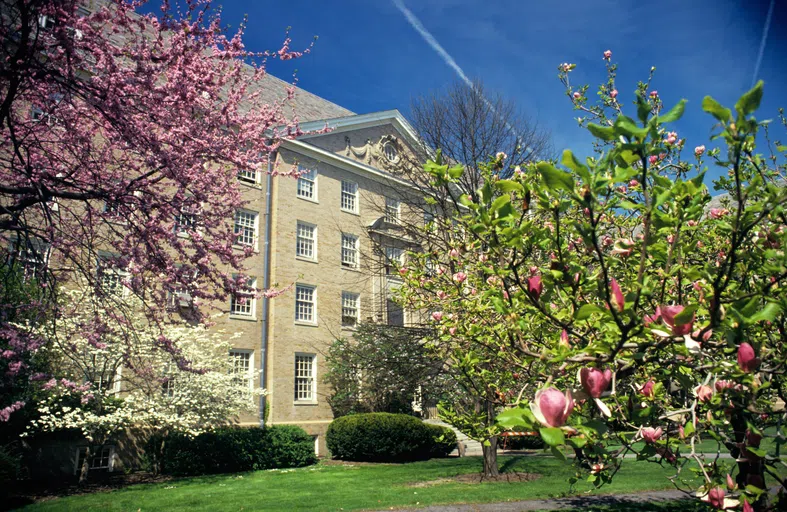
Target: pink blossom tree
(122, 136)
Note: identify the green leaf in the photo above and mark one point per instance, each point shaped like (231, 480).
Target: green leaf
(750, 101)
(601, 132)
(456, 171)
(555, 179)
(553, 436)
(759, 452)
(626, 126)
(715, 109)
(688, 429)
(643, 108)
(516, 418)
(558, 453)
(499, 202)
(577, 442)
(686, 315)
(584, 312)
(675, 113)
(573, 163)
(769, 313)
(508, 186)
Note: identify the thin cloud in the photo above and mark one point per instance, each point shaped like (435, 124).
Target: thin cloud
(762, 42)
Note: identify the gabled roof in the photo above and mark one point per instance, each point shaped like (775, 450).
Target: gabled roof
(308, 107)
(359, 121)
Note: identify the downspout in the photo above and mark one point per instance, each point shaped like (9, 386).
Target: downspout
(266, 283)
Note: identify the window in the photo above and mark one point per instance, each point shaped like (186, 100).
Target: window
(391, 153)
(46, 22)
(32, 257)
(391, 210)
(242, 302)
(304, 378)
(306, 241)
(395, 313)
(168, 386)
(112, 209)
(393, 259)
(179, 298)
(305, 307)
(246, 227)
(349, 251)
(307, 183)
(350, 309)
(247, 175)
(241, 366)
(349, 196)
(185, 221)
(101, 458)
(111, 278)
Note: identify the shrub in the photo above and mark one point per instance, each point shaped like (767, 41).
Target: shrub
(230, 450)
(444, 440)
(523, 443)
(10, 464)
(386, 437)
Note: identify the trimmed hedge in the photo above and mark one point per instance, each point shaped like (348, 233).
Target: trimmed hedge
(522, 443)
(231, 450)
(386, 437)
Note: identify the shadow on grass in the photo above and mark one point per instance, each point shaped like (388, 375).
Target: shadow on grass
(618, 504)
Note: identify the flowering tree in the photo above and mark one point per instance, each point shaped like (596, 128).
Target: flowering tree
(96, 386)
(122, 138)
(648, 317)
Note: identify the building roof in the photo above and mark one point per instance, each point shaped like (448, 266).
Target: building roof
(308, 106)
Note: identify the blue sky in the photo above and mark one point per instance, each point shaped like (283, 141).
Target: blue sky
(369, 57)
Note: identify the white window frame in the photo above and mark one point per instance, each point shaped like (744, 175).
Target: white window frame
(351, 301)
(303, 236)
(311, 379)
(306, 186)
(350, 251)
(241, 228)
(244, 355)
(248, 176)
(118, 274)
(99, 455)
(391, 257)
(238, 309)
(313, 302)
(349, 197)
(393, 210)
(32, 256)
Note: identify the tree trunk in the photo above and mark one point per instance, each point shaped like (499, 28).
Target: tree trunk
(85, 469)
(490, 457)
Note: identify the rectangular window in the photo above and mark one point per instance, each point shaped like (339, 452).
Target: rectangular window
(394, 256)
(101, 458)
(185, 221)
(307, 183)
(304, 378)
(349, 196)
(247, 175)
(395, 313)
(350, 309)
(242, 302)
(305, 304)
(246, 227)
(391, 210)
(32, 257)
(241, 367)
(111, 277)
(349, 251)
(306, 241)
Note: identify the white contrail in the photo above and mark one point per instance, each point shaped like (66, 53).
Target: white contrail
(762, 42)
(431, 41)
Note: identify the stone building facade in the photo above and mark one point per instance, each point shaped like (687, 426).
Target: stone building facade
(331, 236)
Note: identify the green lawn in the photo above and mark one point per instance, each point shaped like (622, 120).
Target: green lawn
(356, 487)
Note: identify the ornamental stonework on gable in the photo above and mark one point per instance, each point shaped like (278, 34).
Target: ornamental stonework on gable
(385, 154)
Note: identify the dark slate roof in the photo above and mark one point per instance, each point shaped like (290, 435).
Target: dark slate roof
(308, 106)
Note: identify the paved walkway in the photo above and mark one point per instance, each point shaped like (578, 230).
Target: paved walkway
(578, 502)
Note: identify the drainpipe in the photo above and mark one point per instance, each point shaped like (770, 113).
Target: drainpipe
(266, 282)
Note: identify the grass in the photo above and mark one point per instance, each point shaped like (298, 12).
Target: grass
(357, 487)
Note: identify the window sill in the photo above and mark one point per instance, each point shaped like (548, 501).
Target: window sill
(243, 248)
(311, 200)
(305, 324)
(255, 184)
(243, 317)
(351, 269)
(305, 402)
(351, 328)
(307, 260)
(351, 212)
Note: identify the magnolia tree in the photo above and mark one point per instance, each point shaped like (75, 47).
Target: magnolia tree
(92, 389)
(122, 138)
(647, 317)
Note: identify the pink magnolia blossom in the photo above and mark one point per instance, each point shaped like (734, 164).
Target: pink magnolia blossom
(564, 338)
(594, 380)
(441, 294)
(454, 253)
(551, 407)
(704, 393)
(483, 258)
(460, 277)
(747, 507)
(535, 286)
(668, 314)
(653, 159)
(730, 482)
(654, 94)
(403, 271)
(633, 183)
(723, 385)
(577, 95)
(699, 150)
(623, 247)
(672, 138)
(617, 298)
(452, 330)
(747, 359)
(716, 497)
(437, 316)
(613, 93)
(717, 213)
(607, 54)
(647, 388)
(651, 435)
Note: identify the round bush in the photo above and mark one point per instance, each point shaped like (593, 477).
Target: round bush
(230, 450)
(444, 440)
(385, 437)
(522, 443)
